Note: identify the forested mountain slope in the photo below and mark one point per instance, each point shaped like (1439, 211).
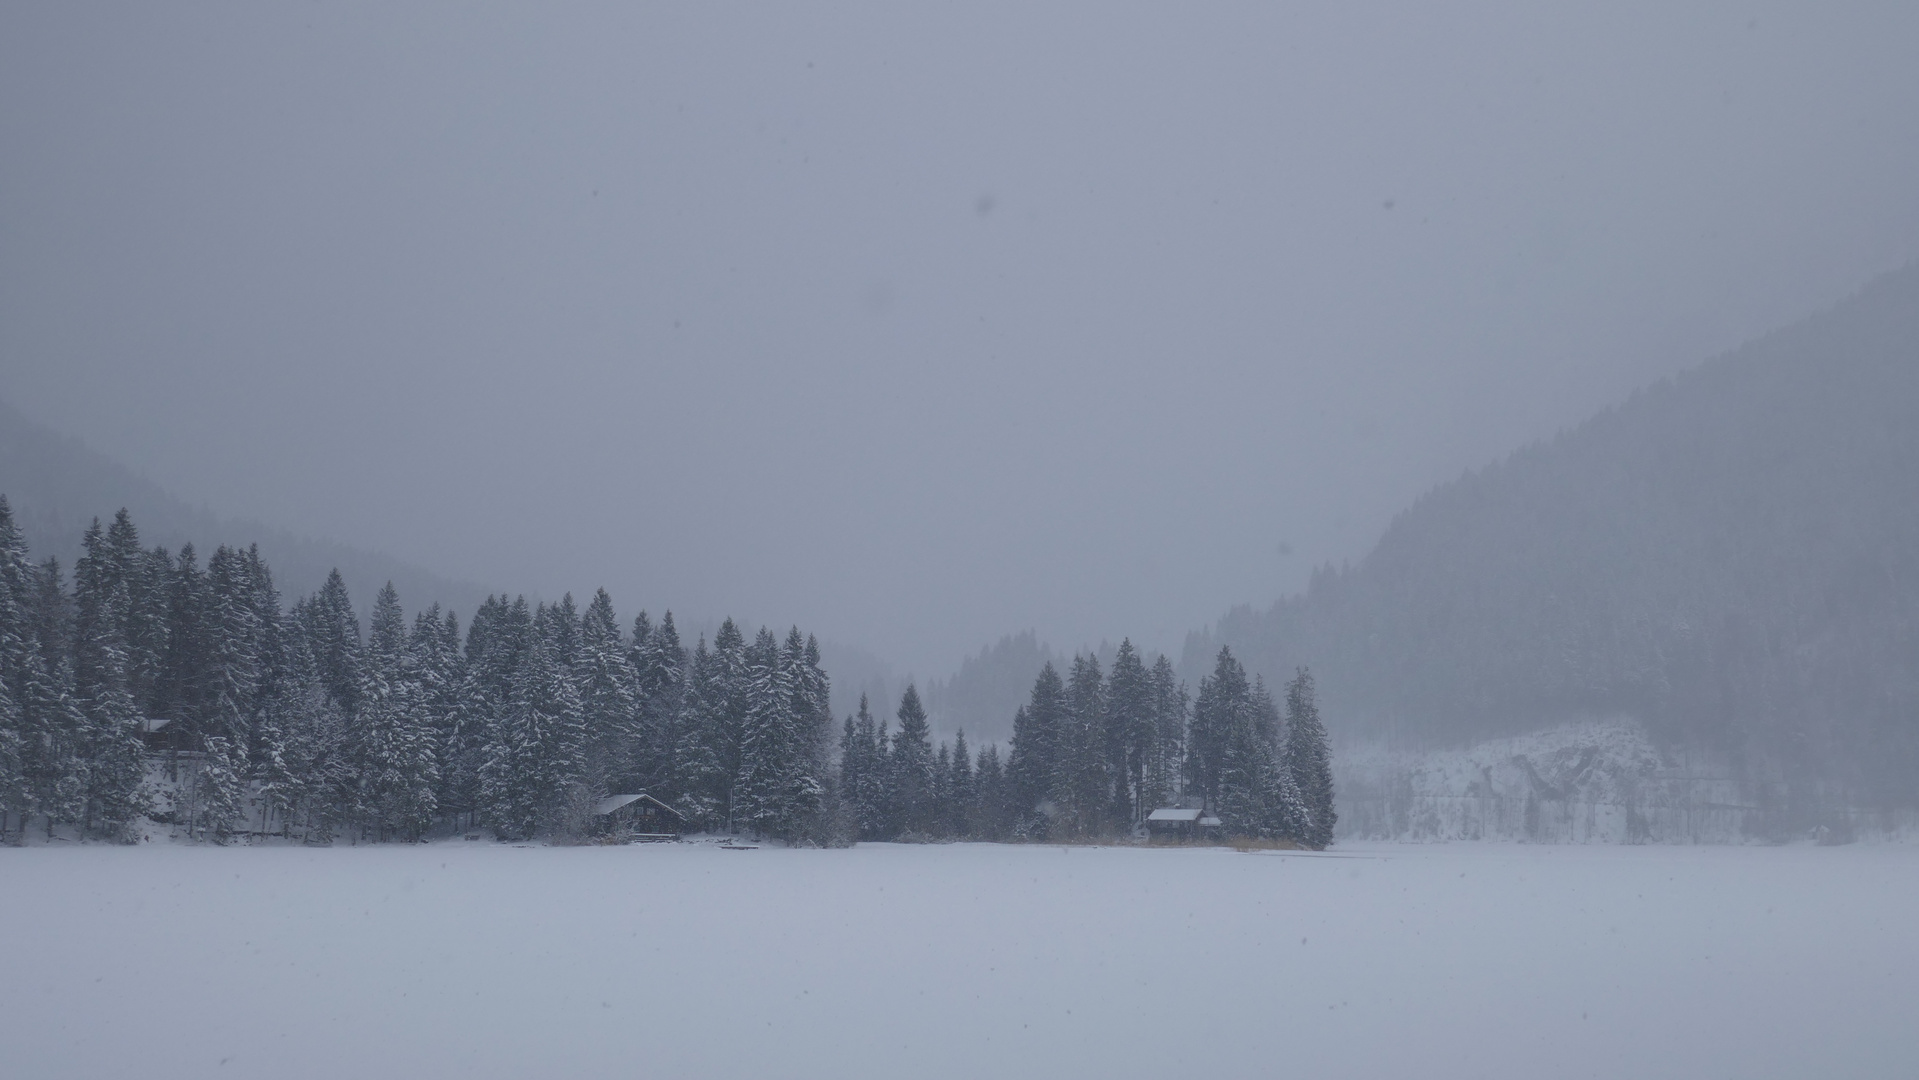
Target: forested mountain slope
(57, 485)
(1731, 556)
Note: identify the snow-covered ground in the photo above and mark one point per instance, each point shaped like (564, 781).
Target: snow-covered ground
(483, 960)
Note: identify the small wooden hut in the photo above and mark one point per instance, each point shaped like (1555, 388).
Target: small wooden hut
(1183, 825)
(638, 817)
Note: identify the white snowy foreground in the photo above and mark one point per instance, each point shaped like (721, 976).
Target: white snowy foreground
(686, 961)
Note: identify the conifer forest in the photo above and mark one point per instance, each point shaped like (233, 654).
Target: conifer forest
(148, 685)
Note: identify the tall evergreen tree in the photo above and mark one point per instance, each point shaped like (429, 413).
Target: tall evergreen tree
(1132, 734)
(1039, 728)
(1084, 787)
(333, 633)
(960, 785)
(1222, 701)
(709, 744)
(863, 775)
(609, 697)
(1170, 708)
(767, 742)
(992, 819)
(393, 738)
(1308, 761)
(115, 759)
(660, 671)
(911, 765)
(535, 772)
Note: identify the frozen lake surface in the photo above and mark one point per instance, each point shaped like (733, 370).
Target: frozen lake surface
(482, 960)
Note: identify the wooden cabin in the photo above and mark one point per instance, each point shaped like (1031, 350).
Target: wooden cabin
(637, 817)
(1183, 825)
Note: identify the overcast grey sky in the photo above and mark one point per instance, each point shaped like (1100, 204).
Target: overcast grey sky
(914, 326)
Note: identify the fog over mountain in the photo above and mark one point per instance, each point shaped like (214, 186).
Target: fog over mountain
(1730, 556)
(56, 486)
(916, 326)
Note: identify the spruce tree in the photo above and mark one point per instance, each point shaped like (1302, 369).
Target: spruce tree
(394, 745)
(911, 766)
(1035, 764)
(991, 819)
(660, 667)
(866, 779)
(234, 640)
(536, 767)
(1170, 708)
(609, 697)
(333, 631)
(1308, 761)
(52, 729)
(709, 744)
(217, 790)
(114, 757)
(1084, 787)
(1222, 701)
(767, 743)
(14, 797)
(963, 793)
(1132, 734)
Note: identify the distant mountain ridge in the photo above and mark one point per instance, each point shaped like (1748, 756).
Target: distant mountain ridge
(1731, 556)
(57, 485)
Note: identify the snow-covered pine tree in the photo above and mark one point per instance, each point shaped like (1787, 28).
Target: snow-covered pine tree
(708, 755)
(1035, 760)
(235, 640)
(767, 743)
(1084, 790)
(941, 811)
(813, 717)
(1245, 764)
(52, 725)
(52, 728)
(563, 629)
(433, 650)
(393, 739)
(1308, 760)
(991, 816)
(963, 792)
(660, 666)
(217, 790)
(865, 779)
(13, 649)
(1132, 734)
(115, 760)
(1283, 813)
(333, 632)
(910, 765)
(484, 686)
(609, 697)
(1221, 702)
(536, 766)
(180, 692)
(697, 778)
(305, 779)
(1170, 708)
(143, 610)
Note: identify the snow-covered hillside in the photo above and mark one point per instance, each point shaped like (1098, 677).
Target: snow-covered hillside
(486, 960)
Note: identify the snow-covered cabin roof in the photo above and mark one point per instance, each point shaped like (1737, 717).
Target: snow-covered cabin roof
(1209, 823)
(614, 802)
(1173, 813)
(155, 723)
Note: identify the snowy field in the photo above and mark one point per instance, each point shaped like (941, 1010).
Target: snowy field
(482, 960)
